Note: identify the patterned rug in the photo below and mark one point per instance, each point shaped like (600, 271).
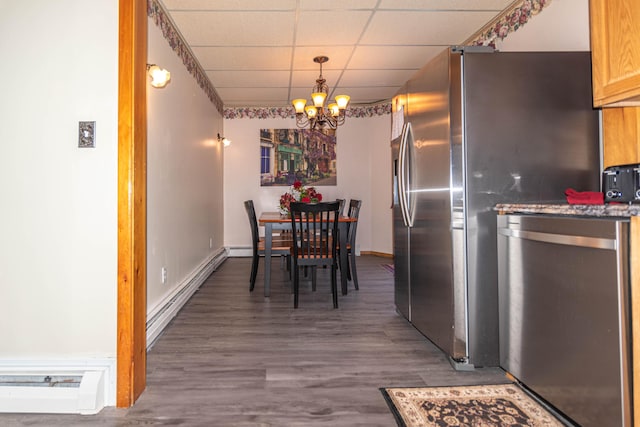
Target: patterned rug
(469, 406)
(388, 267)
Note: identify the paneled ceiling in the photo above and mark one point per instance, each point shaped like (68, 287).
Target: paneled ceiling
(260, 52)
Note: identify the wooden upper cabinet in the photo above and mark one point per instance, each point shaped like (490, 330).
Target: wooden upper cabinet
(615, 48)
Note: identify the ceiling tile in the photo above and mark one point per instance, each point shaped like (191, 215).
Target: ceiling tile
(338, 57)
(337, 4)
(247, 58)
(247, 97)
(423, 28)
(236, 28)
(307, 79)
(370, 95)
(392, 57)
(229, 4)
(251, 79)
(496, 5)
(330, 28)
(369, 78)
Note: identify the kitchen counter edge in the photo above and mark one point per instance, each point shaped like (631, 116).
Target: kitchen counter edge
(606, 210)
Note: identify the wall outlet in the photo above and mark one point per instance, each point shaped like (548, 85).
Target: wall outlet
(210, 242)
(164, 274)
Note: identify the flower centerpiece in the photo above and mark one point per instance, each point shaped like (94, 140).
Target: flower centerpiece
(298, 193)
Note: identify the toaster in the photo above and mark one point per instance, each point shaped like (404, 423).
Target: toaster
(621, 183)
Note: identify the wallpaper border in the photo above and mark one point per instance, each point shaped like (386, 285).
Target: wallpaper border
(510, 20)
(507, 22)
(170, 32)
(289, 113)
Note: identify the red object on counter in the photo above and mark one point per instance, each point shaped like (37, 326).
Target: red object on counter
(584, 197)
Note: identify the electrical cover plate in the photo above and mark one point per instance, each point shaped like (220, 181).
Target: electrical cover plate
(87, 134)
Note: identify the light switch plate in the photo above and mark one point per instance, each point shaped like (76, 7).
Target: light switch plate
(87, 134)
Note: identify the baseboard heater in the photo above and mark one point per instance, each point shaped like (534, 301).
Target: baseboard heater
(80, 392)
(159, 317)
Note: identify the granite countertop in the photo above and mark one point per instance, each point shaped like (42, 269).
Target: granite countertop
(560, 208)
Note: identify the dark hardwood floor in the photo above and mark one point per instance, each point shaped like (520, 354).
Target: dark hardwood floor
(234, 358)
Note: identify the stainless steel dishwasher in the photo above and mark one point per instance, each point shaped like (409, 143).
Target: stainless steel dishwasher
(564, 313)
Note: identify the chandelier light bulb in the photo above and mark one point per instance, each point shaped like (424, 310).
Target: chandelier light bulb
(318, 99)
(311, 111)
(299, 105)
(343, 101)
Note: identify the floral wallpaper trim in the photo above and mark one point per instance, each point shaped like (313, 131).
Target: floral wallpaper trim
(179, 46)
(507, 22)
(289, 112)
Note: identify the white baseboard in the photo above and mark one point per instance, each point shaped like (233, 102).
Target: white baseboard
(158, 317)
(240, 251)
(95, 389)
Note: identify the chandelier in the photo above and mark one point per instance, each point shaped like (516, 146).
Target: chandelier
(317, 116)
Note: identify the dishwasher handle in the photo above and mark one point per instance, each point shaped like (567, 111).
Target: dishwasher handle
(561, 239)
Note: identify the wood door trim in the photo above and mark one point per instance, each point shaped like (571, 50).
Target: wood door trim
(132, 166)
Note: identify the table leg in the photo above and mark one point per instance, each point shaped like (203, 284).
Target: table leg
(344, 257)
(268, 242)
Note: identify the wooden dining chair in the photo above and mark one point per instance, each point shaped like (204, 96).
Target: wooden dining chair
(315, 236)
(281, 245)
(342, 202)
(353, 212)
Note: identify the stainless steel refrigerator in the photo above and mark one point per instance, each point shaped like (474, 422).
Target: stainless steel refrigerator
(471, 129)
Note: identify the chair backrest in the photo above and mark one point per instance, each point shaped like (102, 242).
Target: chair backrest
(341, 201)
(253, 222)
(315, 230)
(354, 212)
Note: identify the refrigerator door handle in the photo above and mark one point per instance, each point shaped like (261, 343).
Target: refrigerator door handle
(403, 174)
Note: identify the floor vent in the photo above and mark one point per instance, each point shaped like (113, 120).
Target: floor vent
(73, 393)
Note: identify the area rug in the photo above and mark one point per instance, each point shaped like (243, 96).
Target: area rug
(468, 406)
(388, 267)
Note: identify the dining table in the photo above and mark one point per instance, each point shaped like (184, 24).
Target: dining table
(273, 221)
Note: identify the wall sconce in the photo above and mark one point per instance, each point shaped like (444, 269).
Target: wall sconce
(159, 76)
(224, 140)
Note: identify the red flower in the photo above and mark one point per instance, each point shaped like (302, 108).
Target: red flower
(298, 192)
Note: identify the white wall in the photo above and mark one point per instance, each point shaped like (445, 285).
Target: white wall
(363, 168)
(563, 25)
(58, 222)
(184, 175)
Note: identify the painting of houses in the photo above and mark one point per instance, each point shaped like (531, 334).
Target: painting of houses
(289, 155)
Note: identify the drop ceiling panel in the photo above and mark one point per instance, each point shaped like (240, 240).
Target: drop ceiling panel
(423, 28)
(337, 4)
(368, 78)
(236, 28)
(338, 57)
(330, 28)
(244, 58)
(307, 79)
(372, 94)
(462, 5)
(250, 79)
(392, 57)
(238, 5)
(254, 50)
(255, 97)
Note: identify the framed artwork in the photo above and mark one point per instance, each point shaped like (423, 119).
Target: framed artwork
(289, 155)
